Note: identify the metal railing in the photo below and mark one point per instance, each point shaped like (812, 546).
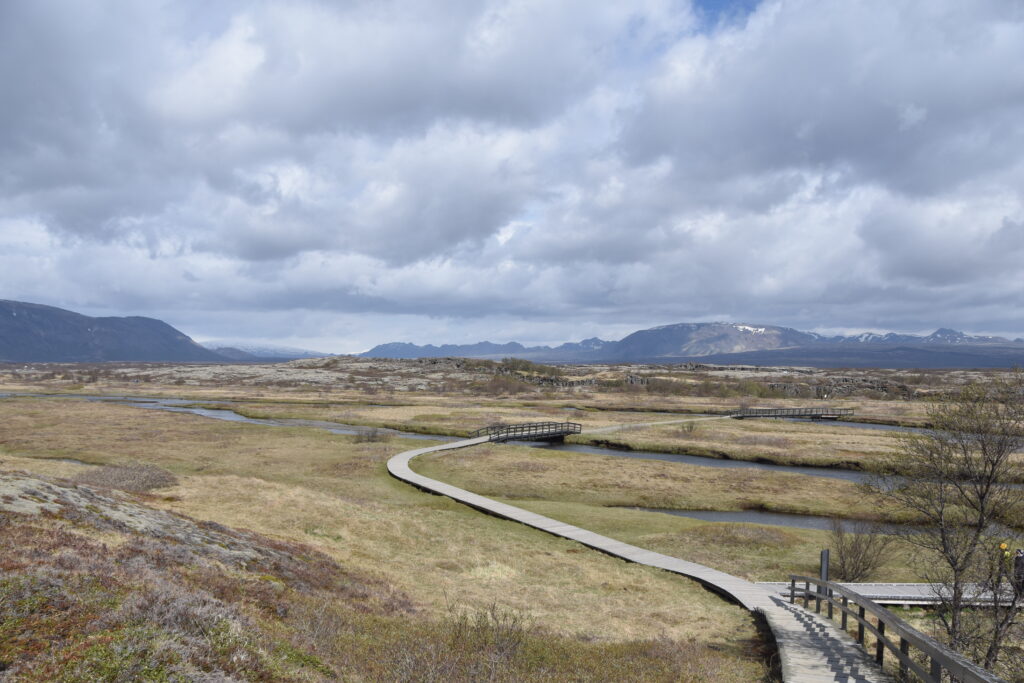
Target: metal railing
(887, 626)
(529, 430)
(813, 413)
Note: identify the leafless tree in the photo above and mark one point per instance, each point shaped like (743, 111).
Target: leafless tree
(955, 480)
(860, 548)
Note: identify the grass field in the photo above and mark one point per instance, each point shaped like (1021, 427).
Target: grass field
(779, 441)
(333, 493)
(301, 484)
(783, 442)
(592, 491)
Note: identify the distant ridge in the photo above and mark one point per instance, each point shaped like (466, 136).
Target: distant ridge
(260, 353)
(36, 333)
(742, 343)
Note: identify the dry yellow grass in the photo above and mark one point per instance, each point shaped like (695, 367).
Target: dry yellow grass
(443, 415)
(594, 492)
(608, 481)
(753, 551)
(333, 493)
(778, 441)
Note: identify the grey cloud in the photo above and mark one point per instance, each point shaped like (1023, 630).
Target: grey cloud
(916, 96)
(819, 164)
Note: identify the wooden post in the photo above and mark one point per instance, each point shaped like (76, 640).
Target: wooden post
(880, 642)
(904, 650)
(829, 603)
(936, 670)
(792, 591)
(846, 605)
(860, 625)
(807, 592)
(823, 575)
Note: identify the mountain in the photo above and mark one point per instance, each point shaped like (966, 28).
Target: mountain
(945, 335)
(568, 352)
(905, 356)
(478, 350)
(741, 343)
(702, 339)
(259, 353)
(37, 333)
(233, 353)
(672, 341)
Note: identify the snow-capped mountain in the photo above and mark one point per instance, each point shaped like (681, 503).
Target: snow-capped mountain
(698, 340)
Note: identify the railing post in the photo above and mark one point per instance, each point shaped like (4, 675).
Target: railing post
(860, 625)
(904, 650)
(829, 603)
(880, 642)
(822, 587)
(846, 605)
(807, 592)
(792, 590)
(936, 669)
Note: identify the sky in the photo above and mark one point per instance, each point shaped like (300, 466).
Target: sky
(334, 175)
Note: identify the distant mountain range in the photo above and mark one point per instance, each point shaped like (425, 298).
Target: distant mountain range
(748, 344)
(259, 353)
(37, 333)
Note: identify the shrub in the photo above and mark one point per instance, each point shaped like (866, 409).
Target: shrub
(523, 365)
(371, 435)
(860, 549)
(136, 477)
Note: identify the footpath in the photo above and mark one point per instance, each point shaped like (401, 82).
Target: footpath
(811, 648)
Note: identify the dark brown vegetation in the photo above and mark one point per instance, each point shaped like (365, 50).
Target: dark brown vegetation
(134, 477)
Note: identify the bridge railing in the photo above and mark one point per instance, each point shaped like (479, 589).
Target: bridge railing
(824, 413)
(886, 630)
(526, 431)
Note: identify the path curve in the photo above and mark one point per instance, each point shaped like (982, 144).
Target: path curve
(811, 648)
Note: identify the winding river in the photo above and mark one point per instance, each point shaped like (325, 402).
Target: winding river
(225, 413)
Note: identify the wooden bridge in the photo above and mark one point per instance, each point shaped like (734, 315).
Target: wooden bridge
(529, 431)
(811, 413)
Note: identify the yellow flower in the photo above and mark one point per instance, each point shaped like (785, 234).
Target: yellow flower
(1003, 546)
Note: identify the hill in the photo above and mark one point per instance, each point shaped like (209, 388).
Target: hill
(259, 353)
(36, 333)
(738, 343)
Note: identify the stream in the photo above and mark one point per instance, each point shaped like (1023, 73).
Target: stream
(177, 405)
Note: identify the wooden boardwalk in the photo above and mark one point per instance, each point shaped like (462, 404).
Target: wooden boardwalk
(811, 648)
(899, 594)
(809, 413)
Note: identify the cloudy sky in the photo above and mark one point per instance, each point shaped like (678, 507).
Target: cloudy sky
(334, 175)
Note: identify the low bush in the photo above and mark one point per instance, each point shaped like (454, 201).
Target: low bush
(372, 435)
(135, 477)
(860, 549)
(526, 366)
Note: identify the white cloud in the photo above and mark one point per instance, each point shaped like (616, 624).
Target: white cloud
(304, 165)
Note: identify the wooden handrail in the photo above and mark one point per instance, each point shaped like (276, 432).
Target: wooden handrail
(886, 626)
(791, 412)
